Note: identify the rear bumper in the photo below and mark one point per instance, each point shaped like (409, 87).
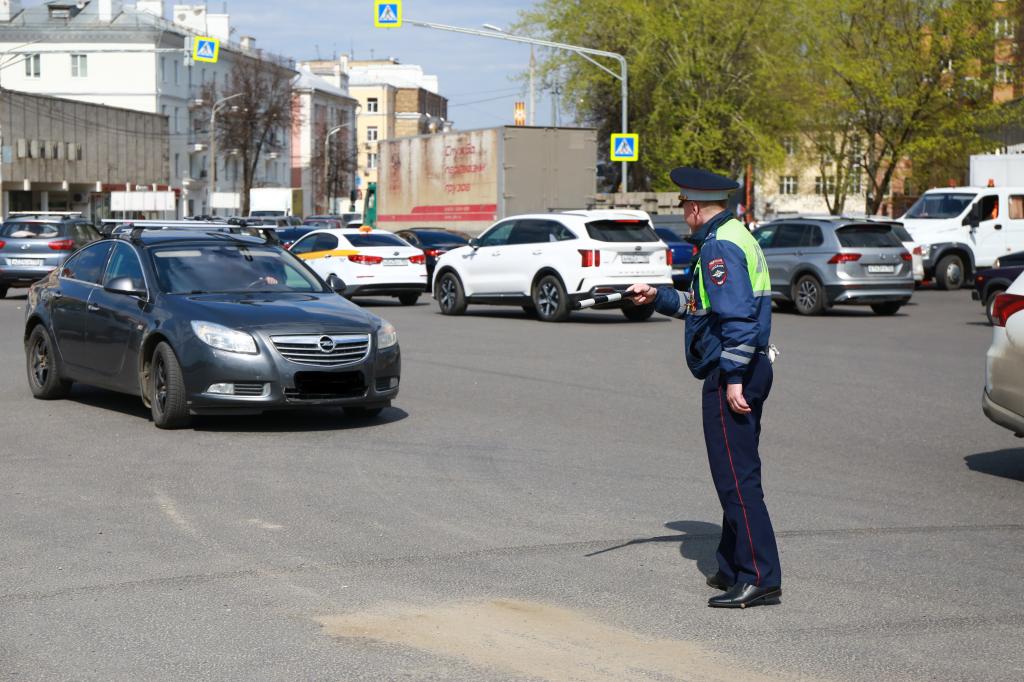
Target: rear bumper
(23, 277)
(391, 289)
(866, 294)
(1002, 416)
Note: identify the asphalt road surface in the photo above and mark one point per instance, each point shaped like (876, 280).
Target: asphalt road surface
(537, 505)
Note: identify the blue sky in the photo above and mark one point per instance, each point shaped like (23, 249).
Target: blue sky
(470, 69)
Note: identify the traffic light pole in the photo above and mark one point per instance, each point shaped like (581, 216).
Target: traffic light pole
(623, 76)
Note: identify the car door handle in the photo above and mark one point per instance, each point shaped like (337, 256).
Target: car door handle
(799, 253)
(998, 227)
(495, 253)
(537, 253)
(92, 308)
(57, 294)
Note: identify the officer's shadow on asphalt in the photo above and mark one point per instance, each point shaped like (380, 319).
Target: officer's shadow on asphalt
(698, 541)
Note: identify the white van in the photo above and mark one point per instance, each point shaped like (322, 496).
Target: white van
(964, 229)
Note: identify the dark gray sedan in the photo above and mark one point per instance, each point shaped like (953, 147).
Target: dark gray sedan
(205, 323)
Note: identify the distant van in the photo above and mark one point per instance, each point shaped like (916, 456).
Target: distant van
(964, 229)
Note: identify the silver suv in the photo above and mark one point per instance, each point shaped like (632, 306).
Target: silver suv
(816, 263)
(33, 244)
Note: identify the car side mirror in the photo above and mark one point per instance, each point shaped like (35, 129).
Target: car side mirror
(126, 286)
(335, 283)
(475, 243)
(973, 217)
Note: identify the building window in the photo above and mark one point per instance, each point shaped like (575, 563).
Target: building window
(372, 134)
(1003, 74)
(789, 145)
(177, 72)
(163, 69)
(177, 165)
(33, 65)
(371, 160)
(855, 183)
(372, 105)
(826, 185)
(79, 66)
(1004, 27)
(787, 184)
(175, 120)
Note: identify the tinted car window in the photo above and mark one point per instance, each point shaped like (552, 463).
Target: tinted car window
(435, 238)
(229, 268)
(374, 239)
(25, 229)
(668, 234)
(789, 237)
(410, 236)
(766, 235)
(316, 242)
(813, 236)
(622, 231)
(901, 233)
(123, 263)
(498, 235)
(867, 236)
(538, 231)
(87, 265)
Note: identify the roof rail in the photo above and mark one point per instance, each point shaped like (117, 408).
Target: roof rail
(23, 214)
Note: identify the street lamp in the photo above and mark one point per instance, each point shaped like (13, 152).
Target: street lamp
(327, 161)
(211, 186)
(623, 76)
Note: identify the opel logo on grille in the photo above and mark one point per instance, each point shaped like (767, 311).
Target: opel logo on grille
(326, 344)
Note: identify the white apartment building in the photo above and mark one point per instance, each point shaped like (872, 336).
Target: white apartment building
(324, 109)
(133, 57)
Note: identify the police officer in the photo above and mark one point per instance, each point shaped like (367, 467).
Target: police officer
(728, 324)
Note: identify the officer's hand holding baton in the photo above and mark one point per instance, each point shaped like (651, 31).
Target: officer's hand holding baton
(642, 293)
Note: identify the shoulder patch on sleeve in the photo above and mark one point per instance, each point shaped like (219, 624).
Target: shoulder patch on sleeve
(719, 273)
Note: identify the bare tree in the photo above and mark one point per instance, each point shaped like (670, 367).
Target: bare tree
(259, 120)
(340, 166)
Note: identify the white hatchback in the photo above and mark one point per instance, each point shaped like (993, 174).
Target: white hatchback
(545, 262)
(365, 262)
(1003, 400)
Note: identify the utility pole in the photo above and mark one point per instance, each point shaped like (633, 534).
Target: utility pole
(533, 89)
(211, 183)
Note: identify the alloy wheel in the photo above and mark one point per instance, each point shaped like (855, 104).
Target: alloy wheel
(447, 294)
(40, 361)
(548, 299)
(161, 385)
(807, 295)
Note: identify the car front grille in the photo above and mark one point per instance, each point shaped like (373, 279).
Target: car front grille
(250, 389)
(323, 350)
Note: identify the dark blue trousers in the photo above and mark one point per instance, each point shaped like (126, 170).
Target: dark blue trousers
(747, 552)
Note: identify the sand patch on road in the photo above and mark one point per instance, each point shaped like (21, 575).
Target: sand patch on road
(537, 640)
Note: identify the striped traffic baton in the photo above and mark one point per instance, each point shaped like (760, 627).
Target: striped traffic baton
(601, 298)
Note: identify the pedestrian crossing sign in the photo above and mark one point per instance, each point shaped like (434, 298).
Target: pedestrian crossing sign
(387, 14)
(205, 49)
(625, 147)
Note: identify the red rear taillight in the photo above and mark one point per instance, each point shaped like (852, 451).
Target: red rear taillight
(668, 256)
(590, 259)
(906, 256)
(433, 253)
(2, 243)
(366, 260)
(844, 258)
(695, 250)
(918, 250)
(418, 260)
(1006, 305)
(62, 245)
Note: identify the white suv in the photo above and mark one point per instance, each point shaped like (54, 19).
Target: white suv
(544, 262)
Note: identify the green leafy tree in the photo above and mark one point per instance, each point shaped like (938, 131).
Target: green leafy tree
(710, 83)
(908, 79)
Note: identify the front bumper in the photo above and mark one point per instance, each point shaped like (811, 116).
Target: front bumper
(866, 294)
(273, 382)
(1002, 416)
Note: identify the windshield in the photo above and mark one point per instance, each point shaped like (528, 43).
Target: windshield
(24, 229)
(375, 239)
(622, 231)
(435, 238)
(940, 206)
(230, 268)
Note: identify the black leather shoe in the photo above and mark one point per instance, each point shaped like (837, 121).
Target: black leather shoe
(742, 595)
(719, 582)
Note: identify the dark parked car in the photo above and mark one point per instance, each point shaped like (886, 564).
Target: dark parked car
(682, 255)
(434, 242)
(205, 323)
(33, 244)
(991, 282)
(1016, 258)
(290, 235)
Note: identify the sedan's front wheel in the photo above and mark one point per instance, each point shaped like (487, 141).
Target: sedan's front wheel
(41, 362)
(167, 389)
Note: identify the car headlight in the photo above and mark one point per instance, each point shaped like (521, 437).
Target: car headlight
(223, 338)
(387, 335)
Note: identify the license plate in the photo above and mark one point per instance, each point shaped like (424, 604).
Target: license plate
(27, 262)
(394, 261)
(635, 258)
(882, 269)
